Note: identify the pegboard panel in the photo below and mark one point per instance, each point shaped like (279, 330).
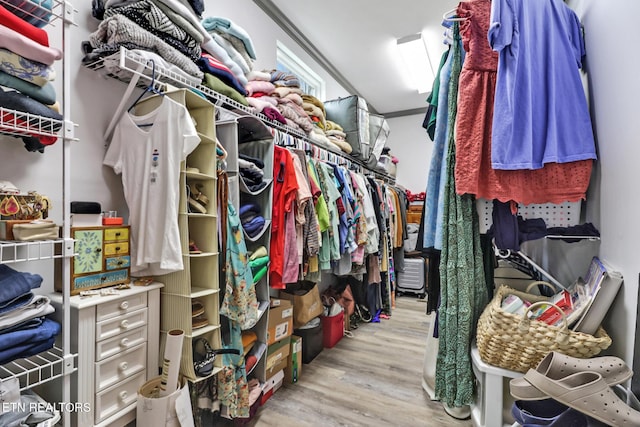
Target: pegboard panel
(562, 215)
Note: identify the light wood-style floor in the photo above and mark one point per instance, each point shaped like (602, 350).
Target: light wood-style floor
(372, 379)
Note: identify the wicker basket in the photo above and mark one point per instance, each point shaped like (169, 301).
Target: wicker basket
(512, 341)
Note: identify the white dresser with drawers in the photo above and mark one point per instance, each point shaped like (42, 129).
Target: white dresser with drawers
(117, 341)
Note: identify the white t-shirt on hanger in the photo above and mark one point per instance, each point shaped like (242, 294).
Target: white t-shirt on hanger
(148, 158)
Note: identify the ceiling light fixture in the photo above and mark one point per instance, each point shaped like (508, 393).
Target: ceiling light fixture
(417, 63)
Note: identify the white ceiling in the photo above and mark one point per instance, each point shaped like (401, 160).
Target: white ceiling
(358, 37)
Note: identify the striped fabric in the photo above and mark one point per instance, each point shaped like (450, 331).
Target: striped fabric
(35, 12)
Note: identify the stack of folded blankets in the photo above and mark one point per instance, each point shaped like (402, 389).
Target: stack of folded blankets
(259, 91)
(337, 137)
(25, 74)
(214, 51)
(167, 32)
(24, 328)
(251, 219)
(252, 172)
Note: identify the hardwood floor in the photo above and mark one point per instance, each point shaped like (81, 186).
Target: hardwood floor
(372, 379)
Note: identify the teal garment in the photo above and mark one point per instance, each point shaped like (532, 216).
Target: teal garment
(45, 94)
(433, 98)
(329, 186)
(463, 294)
(240, 302)
(233, 390)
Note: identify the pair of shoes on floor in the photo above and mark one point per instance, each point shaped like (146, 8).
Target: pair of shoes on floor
(582, 385)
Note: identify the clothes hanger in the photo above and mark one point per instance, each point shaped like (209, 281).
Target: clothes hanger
(150, 88)
(121, 106)
(451, 16)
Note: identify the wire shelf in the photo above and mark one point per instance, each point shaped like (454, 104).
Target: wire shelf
(36, 370)
(12, 251)
(37, 13)
(124, 64)
(20, 123)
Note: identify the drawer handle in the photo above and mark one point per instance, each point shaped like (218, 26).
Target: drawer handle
(98, 250)
(123, 395)
(125, 324)
(124, 305)
(124, 342)
(117, 248)
(123, 366)
(118, 233)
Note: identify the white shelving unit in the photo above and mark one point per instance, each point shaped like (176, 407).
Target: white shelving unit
(127, 66)
(56, 363)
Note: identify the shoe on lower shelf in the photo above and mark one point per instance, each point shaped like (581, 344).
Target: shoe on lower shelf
(197, 308)
(199, 321)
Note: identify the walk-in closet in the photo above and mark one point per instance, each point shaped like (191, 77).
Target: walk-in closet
(274, 213)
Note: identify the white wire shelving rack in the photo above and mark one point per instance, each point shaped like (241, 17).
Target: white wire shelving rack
(129, 67)
(57, 362)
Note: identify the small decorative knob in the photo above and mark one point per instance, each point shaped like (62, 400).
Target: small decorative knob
(125, 324)
(124, 342)
(123, 395)
(124, 305)
(124, 366)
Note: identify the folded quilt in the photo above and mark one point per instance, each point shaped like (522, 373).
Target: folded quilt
(27, 48)
(209, 64)
(25, 69)
(333, 126)
(283, 92)
(274, 114)
(229, 27)
(259, 86)
(44, 94)
(15, 284)
(120, 29)
(217, 85)
(238, 46)
(283, 78)
(293, 111)
(259, 75)
(234, 55)
(258, 104)
(153, 19)
(315, 101)
(10, 20)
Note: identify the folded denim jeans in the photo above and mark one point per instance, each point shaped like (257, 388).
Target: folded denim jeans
(38, 306)
(10, 341)
(30, 411)
(14, 284)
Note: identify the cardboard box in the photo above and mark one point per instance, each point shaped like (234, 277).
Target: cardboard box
(277, 354)
(294, 361)
(280, 320)
(271, 385)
